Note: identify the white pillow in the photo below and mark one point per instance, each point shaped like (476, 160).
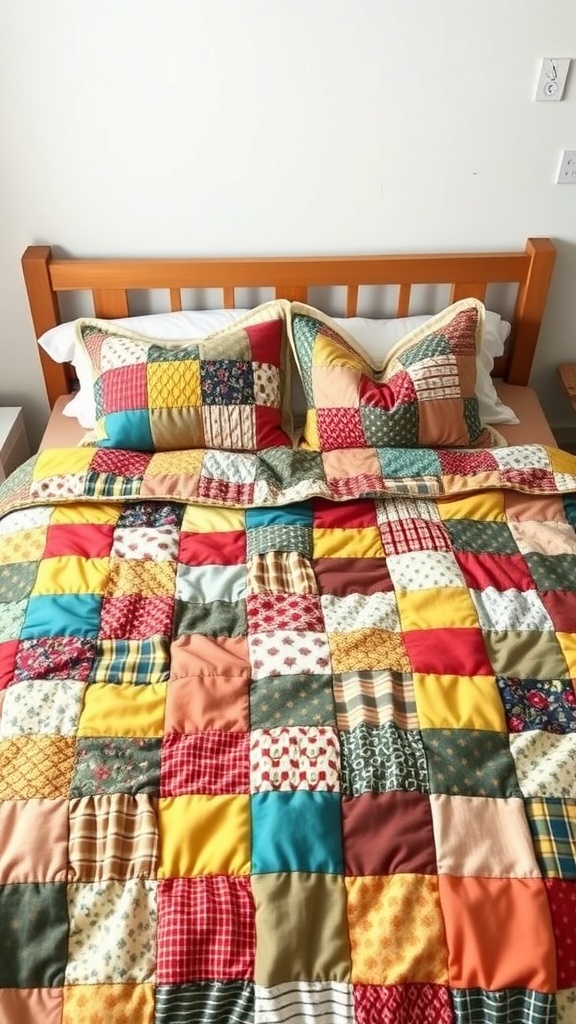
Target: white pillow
(375, 336)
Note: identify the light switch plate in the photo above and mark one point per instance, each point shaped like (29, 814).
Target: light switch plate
(552, 80)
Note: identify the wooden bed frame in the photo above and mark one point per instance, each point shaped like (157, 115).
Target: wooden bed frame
(468, 274)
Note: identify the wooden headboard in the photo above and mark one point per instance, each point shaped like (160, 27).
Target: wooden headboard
(468, 274)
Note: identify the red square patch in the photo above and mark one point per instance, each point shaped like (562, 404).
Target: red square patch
(222, 491)
(266, 341)
(120, 463)
(268, 612)
(136, 618)
(392, 1004)
(269, 433)
(448, 652)
(124, 387)
(205, 929)
(466, 463)
(88, 541)
(55, 657)
(562, 900)
(561, 607)
(504, 572)
(225, 548)
(340, 428)
(399, 536)
(8, 651)
(329, 515)
(214, 762)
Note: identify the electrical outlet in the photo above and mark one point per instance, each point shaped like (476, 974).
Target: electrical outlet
(567, 170)
(552, 80)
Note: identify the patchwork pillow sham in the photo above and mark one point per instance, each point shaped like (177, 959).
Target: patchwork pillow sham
(226, 391)
(422, 395)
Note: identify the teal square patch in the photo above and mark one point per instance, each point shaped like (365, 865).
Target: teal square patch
(298, 831)
(62, 615)
(128, 429)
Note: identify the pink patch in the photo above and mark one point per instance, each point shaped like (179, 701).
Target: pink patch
(214, 762)
(119, 462)
(340, 428)
(224, 491)
(466, 463)
(402, 1004)
(124, 387)
(530, 479)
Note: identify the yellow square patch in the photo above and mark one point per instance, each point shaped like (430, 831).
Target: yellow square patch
(62, 461)
(439, 608)
(174, 384)
(112, 709)
(328, 352)
(487, 506)
(85, 514)
(143, 577)
(562, 462)
(71, 574)
(113, 1004)
(458, 702)
(567, 643)
(208, 519)
(204, 835)
(364, 542)
(170, 463)
(24, 546)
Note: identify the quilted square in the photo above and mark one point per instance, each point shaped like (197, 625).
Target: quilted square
(396, 930)
(343, 577)
(487, 921)
(289, 758)
(421, 395)
(288, 652)
(217, 618)
(441, 608)
(379, 760)
(34, 935)
(120, 709)
(16, 581)
(546, 704)
(209, 656)
(512, 609)
(112, 837)
(284, 611)
(374, 649)
(13, 616)
(374, 698)
(33, 841)
(112, 932)
(204, 835)
(58, 657)
(29, 1005)
(448, 652)
(146, 391)
(172, 384)
(304, 1000)
(562, 901)
(136, 617)
(360, 611)
(207, 583)
(205, 930)
(296, 831)
(214, 762)
(545, 764)
(345, 544)
(81, 539)
(84, 1004)
(47, 706)
(301, 931)
(507, 1006)
(552, 823)
(526, 653)
(62, 615)
(131, 662)
(205, 1000)
(116, 765)
(470, 762)
(388, 834)
(36, 767)
(427, 1004)
(482, 836)
(425, 570)
(291, 700)
(458, 702)
(207, 702)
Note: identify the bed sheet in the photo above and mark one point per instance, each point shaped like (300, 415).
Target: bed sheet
(286, 736)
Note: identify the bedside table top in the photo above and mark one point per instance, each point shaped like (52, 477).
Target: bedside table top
(567, 374)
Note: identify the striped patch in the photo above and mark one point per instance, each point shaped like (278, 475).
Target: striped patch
(375, 698)
(209, 1002)
(314, 1002)
(112, 837)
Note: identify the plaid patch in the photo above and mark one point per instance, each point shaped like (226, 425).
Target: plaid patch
(131, 661)
(553, 826)
(205, 762)
(286, 572)
(112, 837)
(205, 929)
(403, 535)
(507, 1006)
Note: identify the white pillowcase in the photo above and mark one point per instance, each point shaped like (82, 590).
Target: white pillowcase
(376, 337)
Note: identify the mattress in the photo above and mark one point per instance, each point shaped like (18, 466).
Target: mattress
(61, 431)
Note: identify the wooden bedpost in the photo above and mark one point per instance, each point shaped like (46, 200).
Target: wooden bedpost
(45, 314)
(532, 295)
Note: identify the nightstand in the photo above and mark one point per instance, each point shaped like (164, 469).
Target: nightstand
(14, 448)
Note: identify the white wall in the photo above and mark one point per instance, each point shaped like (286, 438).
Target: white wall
(157, 127)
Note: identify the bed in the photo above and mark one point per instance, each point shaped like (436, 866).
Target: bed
(287, 732)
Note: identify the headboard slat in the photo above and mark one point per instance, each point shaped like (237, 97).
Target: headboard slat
(229, 297)
(467, 290)
(403, 307)
(110, 303)
(175, 300)
(352, 300)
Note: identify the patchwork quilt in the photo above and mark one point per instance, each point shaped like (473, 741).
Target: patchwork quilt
(288, 737)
